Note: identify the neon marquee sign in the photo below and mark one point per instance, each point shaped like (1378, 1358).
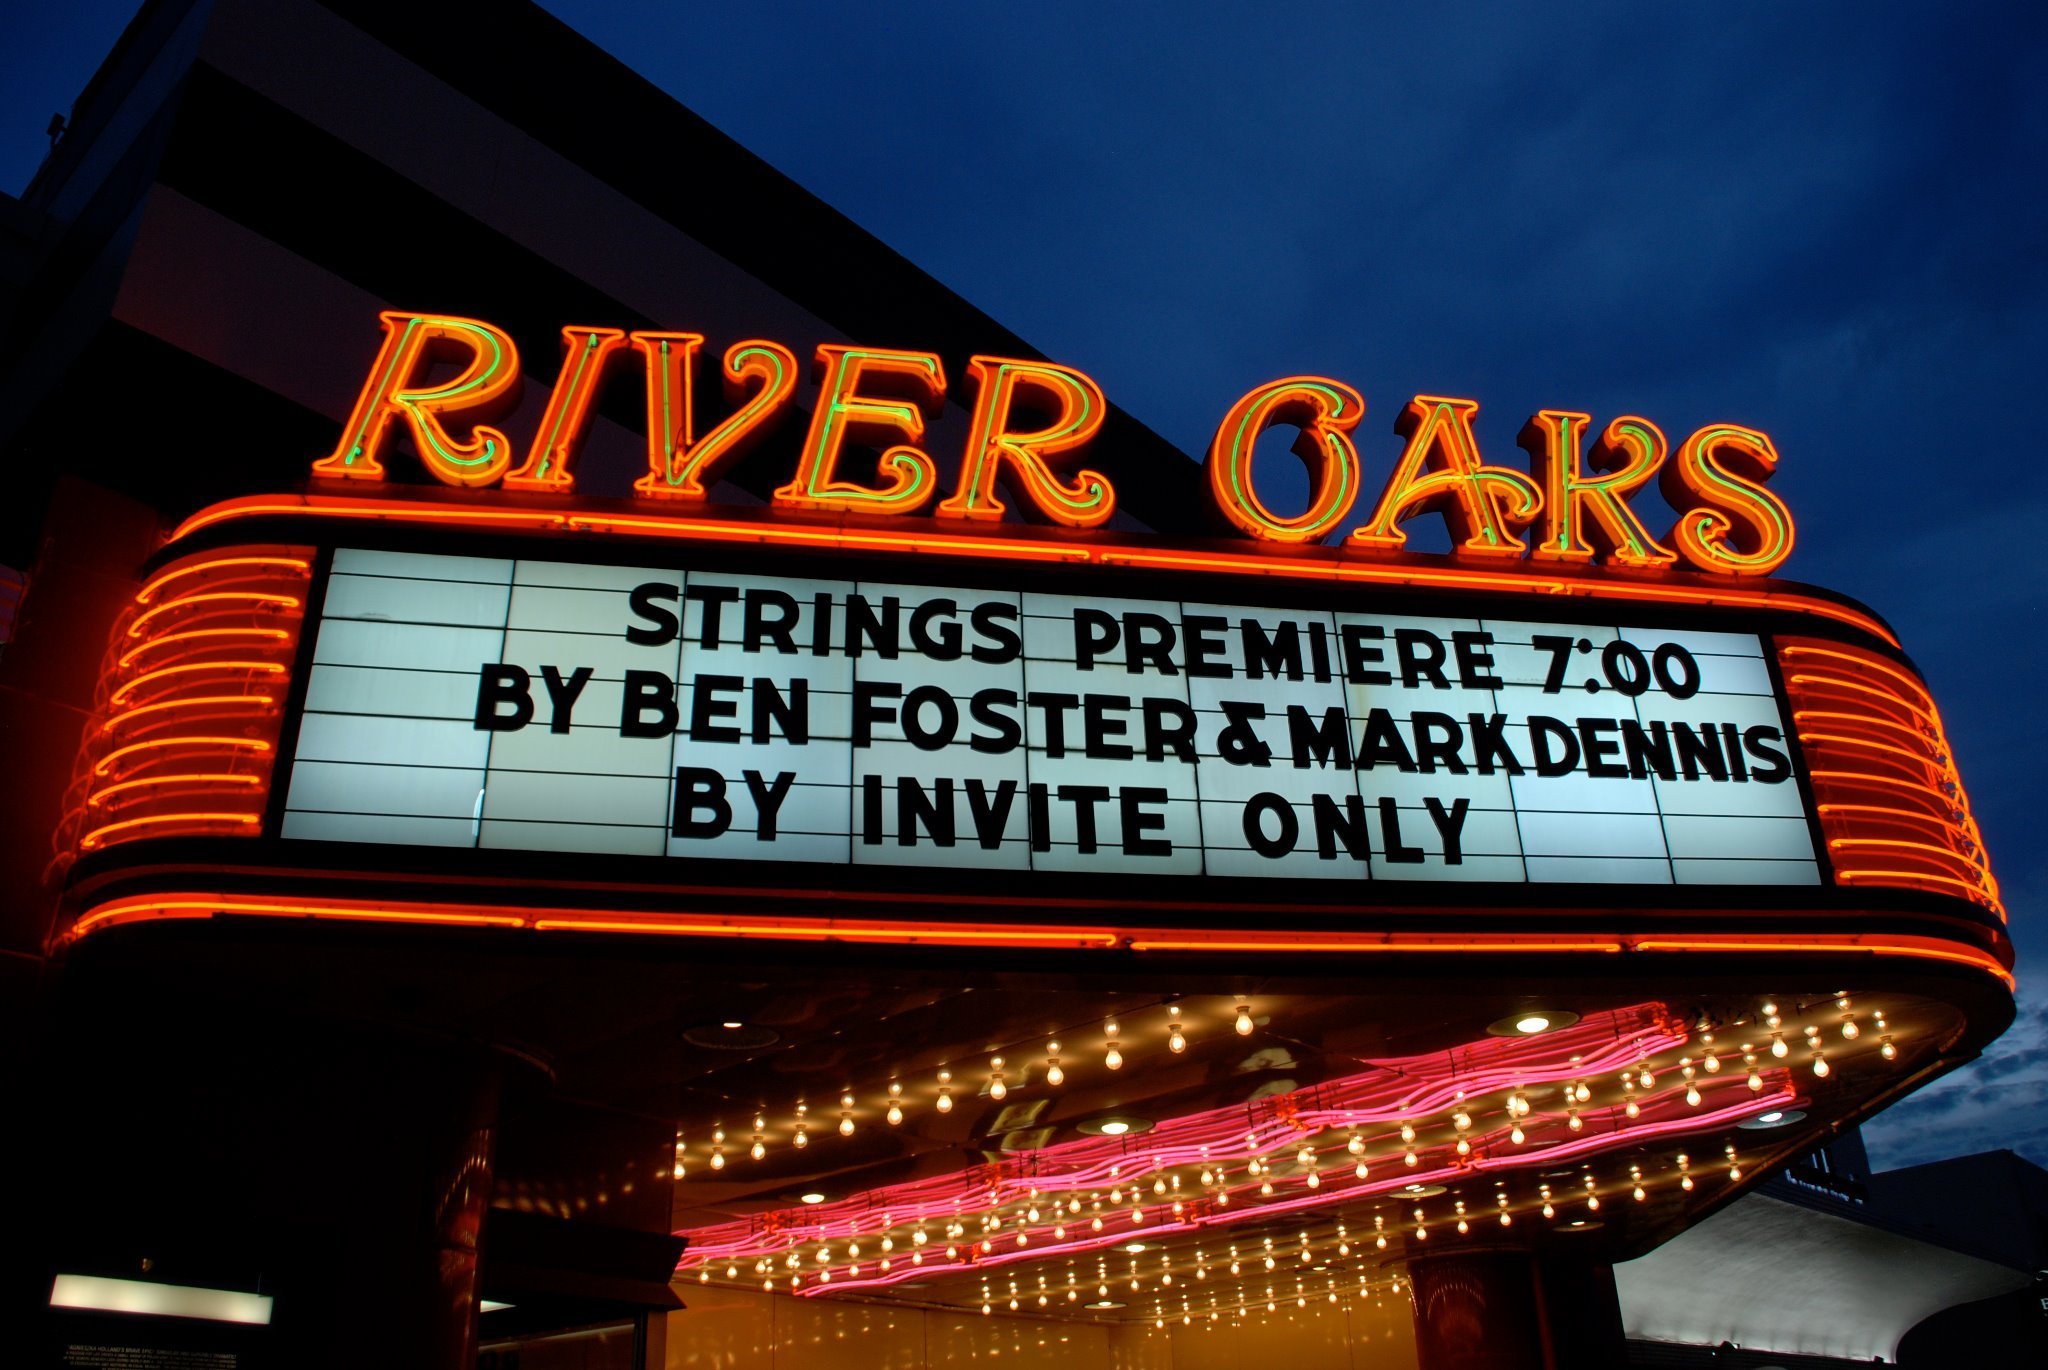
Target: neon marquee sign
(1030, 425)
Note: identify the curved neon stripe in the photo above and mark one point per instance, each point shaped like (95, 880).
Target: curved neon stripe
(1027, 549)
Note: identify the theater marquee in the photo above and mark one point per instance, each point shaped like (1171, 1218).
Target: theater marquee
(929, 697)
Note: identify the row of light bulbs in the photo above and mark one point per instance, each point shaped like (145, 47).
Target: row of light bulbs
(960, 1246)
(998, 1087)
(1710, 1062)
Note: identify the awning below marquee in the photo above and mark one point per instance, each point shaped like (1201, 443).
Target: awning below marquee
(1776, 1276)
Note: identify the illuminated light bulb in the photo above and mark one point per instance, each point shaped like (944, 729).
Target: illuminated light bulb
(1244, 1023)
(1685, 1183)
(1548, 1210)
(717, 1158)
(1778, 1047)
(757, 1150)
(1583, 1092)
(1734, 1172)
(802, 1138)
(1314, 1180)
(1360, 1170)
(1646, 1079)
(1632, 1109)
(1407, 1134)
(1692, 1095)
(1572, 1119)
(1265, 1187)
(1410, 1158)
(846, 1124)
(895, 1114)
(1842, 1001)
(1593, 1202)
(1887, 1050)
(1820, 1065)
(1516, 1135)
(1849, 1029)
(1113, 1058)
(1461, 1120)
(1711, 1064)
(996, 1088)
(1641, 1193)
(1464, 1147)
(1208, 1176)
(1463, 1227)
(1356, 1145)
(1756, 1081)
(1159, 1186)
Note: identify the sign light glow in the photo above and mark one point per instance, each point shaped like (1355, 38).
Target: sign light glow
(1728, 523)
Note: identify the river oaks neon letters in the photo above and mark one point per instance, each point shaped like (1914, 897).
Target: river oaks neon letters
(1030, 425)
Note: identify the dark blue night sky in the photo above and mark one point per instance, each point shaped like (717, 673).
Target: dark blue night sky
(1828, 221)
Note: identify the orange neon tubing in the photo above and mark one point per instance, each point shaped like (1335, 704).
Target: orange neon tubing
(1807, 679)
(171, 573)
(142, 908)
(1863, 660)
(1919, 759)
(97, 835)
(246, 596)
(106, 792)
(1911, 819)
(1872, 875)
(1019, 549)
(130, 715)
(106, 763)
(1863, 720)
(255, 667)
(1390, 941)
(1918, 789)
(172, 639)
(1883, 946)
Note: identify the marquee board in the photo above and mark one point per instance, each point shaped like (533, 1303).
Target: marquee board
(539, 705)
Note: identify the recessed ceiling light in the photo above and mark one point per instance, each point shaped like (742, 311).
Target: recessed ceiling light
(1777, 1117)
(731, 1034)
(1531, 1021)
(1116, 1125)
(1422, 1191)
(1102, 1303)
(1136, 1248)
(812, 1197)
